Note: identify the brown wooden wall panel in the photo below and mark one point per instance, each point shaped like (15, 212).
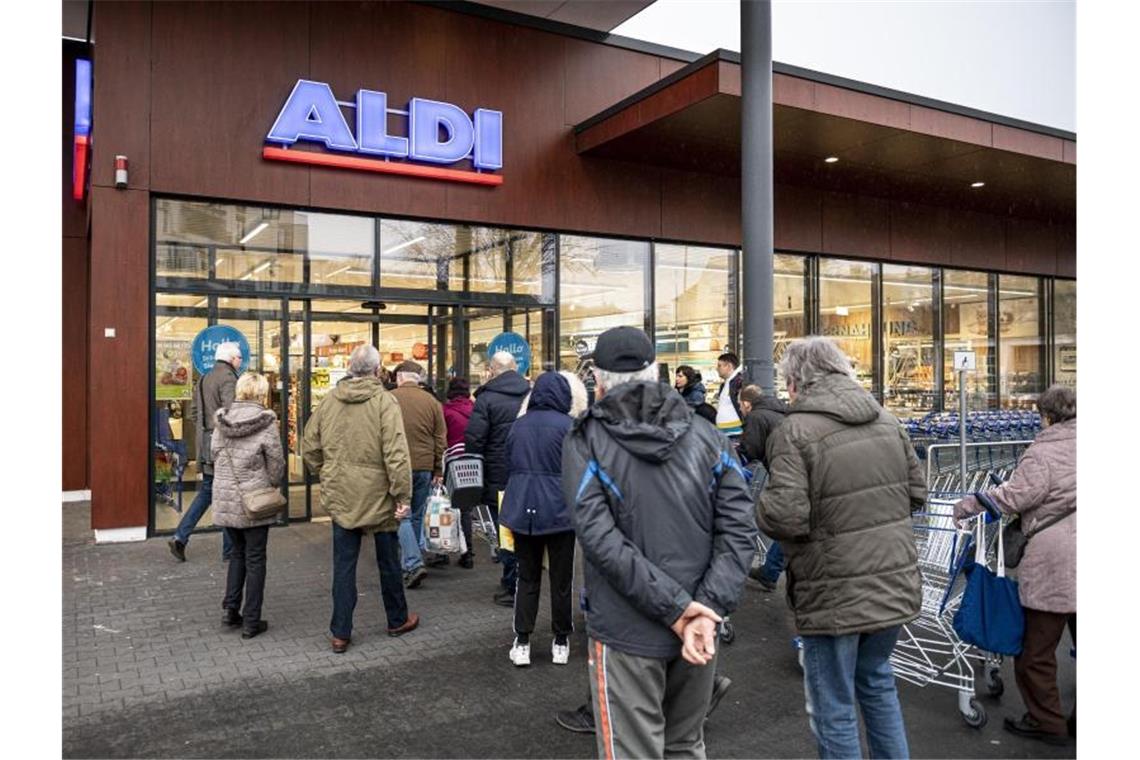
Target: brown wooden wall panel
(220, 74)
(1030, 246)
(1069, 152)
(919, 233)
(856, 225)
(861, 106)
(793, 92)
(1029, 143)
(596, 77)
(120, 376)
(798, 218)
(74, 350)
(977, 241)
(121, 108)
(950, 126)
(1065, 238)
(710, 201)
(414, 42)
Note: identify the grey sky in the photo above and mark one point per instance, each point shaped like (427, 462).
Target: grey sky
(1012, 57)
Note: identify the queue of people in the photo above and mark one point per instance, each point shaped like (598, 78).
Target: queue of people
(656, 495)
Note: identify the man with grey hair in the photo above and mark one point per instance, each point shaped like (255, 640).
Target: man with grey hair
(843, 482)
(215, 391)
(355, 442)
(661, 509)
(497, 404)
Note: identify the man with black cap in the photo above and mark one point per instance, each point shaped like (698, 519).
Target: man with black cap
(661, 509)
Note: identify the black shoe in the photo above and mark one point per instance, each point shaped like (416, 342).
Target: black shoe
(261, 627)
(438, 560)
(1031, 729)
(580, 721)
(414, 578)
(504, 598)
(721, 685)
(178, 549)
(757, 574)
(467, 561)
(1073, 725)
(232, 618)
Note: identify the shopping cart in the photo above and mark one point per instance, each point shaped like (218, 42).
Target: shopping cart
(984, 461)
(929, 651)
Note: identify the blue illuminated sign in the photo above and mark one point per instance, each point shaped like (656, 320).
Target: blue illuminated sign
(207, 342)
(515, 345)
(437, 132)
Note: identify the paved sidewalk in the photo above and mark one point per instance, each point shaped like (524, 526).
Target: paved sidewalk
(149, 671)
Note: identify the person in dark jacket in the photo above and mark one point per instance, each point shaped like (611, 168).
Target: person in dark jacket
(762, 415)
(497, 405)
(457, 413)
(844, 481)
(215, 391)
(688, 384)
(660, 506)
(534, 510)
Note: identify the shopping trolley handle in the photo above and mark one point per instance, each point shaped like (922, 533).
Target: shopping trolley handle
(996, 479)
(992, 511)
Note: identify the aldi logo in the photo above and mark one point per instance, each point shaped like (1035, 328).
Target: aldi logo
(437, 136)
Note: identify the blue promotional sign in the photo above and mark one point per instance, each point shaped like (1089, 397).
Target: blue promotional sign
(207, 342)
(515, 345)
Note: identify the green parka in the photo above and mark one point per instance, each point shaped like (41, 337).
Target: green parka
(355, 442)
(844, 480)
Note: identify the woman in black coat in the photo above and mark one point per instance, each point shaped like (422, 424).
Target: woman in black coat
(536, 513)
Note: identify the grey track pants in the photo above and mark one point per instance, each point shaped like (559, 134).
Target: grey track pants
(646, 707)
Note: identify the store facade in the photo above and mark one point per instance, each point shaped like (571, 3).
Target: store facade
(427, 178)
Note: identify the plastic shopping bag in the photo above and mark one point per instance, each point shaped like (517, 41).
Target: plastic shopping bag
(990, 615)
(506, 537)
(442, 531)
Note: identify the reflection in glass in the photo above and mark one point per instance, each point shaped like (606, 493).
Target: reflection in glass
(1021, 342)
(845, 312)
(908, 339)
(692, 308)
(788, 309)
(966, 327)
(1065, 332)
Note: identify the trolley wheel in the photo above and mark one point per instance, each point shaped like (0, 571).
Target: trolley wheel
(977, 717)
(727, 632)
(995, 687)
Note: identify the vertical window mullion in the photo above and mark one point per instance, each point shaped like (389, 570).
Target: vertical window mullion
(939, 343)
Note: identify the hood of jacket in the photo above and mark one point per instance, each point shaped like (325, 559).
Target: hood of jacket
(244, 418)
(695, 394)
(771, 404)
(551, 391)
(462, 406)
(357, 390)
(1059, 431)
(646, 418)
(510, 383)
(839, 397)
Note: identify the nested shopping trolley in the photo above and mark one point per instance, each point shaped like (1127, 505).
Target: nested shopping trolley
(929, 651)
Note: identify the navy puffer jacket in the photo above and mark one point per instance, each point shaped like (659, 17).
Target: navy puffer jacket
(533, 504)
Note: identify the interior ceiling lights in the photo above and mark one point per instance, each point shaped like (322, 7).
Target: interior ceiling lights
(976, 185)
(831, 160)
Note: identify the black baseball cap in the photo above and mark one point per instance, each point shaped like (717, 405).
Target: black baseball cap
(623, 349)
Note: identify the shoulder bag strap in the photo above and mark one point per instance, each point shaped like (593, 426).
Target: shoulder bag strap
(1050, 522)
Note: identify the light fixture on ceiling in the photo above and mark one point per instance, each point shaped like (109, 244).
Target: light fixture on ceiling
(976, 185)
(831, 160)
(253, 233)
(841, 311)
(403, 245)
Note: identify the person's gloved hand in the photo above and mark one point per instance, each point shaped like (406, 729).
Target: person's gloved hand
(967, 507)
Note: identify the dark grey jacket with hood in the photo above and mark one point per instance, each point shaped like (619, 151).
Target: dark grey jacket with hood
(662, 512)
(843, 481)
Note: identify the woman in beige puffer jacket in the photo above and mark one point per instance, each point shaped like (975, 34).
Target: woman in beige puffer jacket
(247, 456)
(1043, 490)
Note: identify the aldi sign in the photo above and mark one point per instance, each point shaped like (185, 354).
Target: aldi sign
(437, 136)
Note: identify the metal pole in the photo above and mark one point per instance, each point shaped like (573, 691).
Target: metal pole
(962, 412)
(756, 190)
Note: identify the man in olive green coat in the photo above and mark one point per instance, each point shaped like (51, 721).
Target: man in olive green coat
(355, 442)
(844, 481)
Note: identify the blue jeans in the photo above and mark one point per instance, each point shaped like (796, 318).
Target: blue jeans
(198, 507)
(838, 670)
(346, 552)
(774, 562)
(412, 529)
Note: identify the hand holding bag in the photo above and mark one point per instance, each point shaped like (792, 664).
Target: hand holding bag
(259, 503)
(990, 615)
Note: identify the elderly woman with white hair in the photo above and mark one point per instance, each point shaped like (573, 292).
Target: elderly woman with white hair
(247, 451)
(844, 480)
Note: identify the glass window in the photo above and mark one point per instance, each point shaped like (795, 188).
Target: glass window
(1065, 332)
(1019, 320)
(603, 286)
(845, 312)
(966, 327)
(908, 339)
(691, 294)
(788, 309)
(254, 245)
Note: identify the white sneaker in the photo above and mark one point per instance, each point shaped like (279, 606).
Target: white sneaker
(560, 653)
(520, 654)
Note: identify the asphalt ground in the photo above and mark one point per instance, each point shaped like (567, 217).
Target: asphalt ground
(149, 671)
